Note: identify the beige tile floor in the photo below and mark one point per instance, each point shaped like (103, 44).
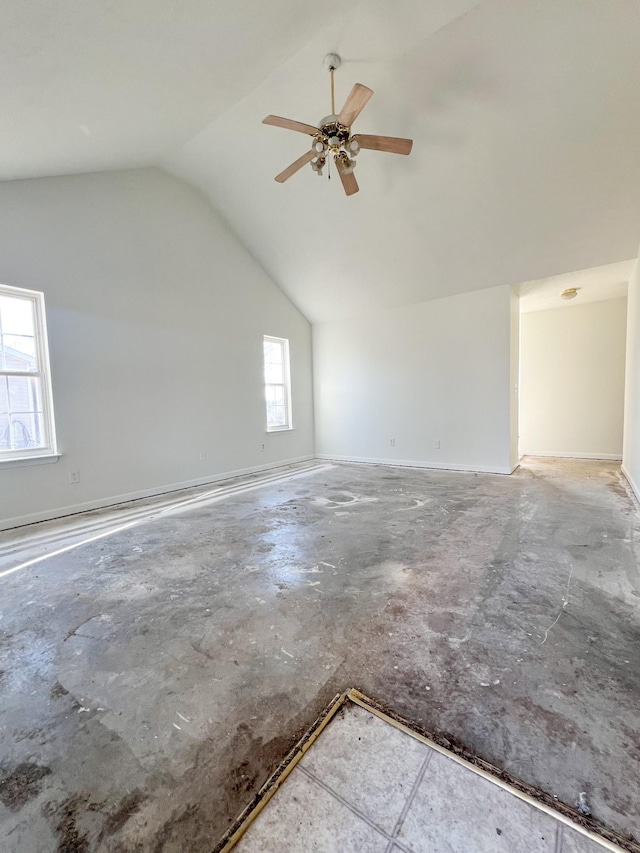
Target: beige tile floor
(367, 787)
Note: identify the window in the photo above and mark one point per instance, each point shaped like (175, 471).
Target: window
(277, 383)
(26, 413)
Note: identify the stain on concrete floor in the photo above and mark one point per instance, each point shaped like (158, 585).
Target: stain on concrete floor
(21, 784)
(160, 674)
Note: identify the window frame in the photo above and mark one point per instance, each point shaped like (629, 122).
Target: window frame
(286, 385)
(43, 373)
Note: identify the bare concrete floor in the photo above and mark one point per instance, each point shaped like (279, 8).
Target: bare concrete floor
(151, 680)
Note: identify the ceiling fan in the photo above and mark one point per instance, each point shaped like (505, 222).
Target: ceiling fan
(333, 140)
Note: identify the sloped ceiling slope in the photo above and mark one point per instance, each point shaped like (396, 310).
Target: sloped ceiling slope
(526, 159)
(87, 85)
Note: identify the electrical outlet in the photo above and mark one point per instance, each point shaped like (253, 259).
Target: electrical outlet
(392, 442)
(262, 447)
(203, 455)
(436, 444)
(74, 477)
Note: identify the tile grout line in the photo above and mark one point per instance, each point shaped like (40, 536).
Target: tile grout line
(344, 802)
(559, 837)
(600, 834)
(410, 798)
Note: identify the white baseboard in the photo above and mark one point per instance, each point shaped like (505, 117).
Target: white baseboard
(634, 486)
(605, 457)
(102, 503)
(407, 463)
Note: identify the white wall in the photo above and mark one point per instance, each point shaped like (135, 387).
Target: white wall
(572, 380)
(438, 370)
(155, 315)
(631, 451)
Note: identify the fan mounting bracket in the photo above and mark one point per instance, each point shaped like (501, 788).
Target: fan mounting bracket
(332, 61)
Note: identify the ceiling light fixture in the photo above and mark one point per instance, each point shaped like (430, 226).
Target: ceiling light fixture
(332, 139)
(569, 293)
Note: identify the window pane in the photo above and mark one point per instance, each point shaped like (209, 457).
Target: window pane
(24, 394)
(273, 352)
(17, 339)
(22, 431)
(275, 394)
(276, 415)
(17, 315)
(21, 417)
(273, 373)
(19, 353)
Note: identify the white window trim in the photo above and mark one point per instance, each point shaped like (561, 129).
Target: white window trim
(288, 427)
(23, 461)
(48, 451)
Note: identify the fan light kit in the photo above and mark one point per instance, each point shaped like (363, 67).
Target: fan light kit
(333, 140)
(569, 293)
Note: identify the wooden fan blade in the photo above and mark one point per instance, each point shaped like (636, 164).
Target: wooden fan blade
(355, 103)
(348, 179)
(290, 124)
(392, 144)
(293, 168)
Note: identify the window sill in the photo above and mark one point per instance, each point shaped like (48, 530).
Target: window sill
(279, 429)
(21, 461)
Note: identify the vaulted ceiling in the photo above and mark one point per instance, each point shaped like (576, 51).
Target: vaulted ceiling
(87, 85)
(524, 115)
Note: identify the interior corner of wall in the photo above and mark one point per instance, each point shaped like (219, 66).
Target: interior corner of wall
(631, 441)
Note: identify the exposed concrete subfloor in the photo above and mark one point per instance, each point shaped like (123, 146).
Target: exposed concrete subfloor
(150, 681)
